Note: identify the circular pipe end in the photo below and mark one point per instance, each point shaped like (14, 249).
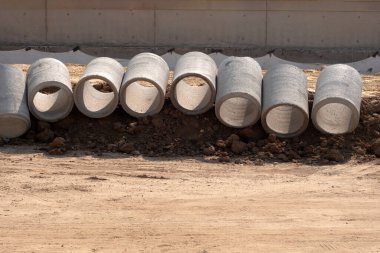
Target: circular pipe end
(94, 101)
(50, 101)
(141, 97)
(12, 125)
(238, 110)
(335, 115)
(285, 120)
(192, 93)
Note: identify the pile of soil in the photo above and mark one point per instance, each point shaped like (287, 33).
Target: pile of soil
(174, 134)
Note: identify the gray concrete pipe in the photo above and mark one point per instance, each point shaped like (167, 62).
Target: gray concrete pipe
(14, 113)
(337, 99)
(97, 93)
(50, 96)
(144, 85)
(193, 89)
(238, 97)
(285, 109)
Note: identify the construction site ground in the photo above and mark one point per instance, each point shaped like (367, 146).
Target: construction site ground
(177, 183)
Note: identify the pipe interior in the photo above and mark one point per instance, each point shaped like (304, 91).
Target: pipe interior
(142, 97)
(51, 101)
(11, 127)
(238, 111)
(335, 118)
(193, 93)
(97, 95)
(285, 119)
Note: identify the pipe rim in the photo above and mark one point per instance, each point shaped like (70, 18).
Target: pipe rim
(42, 115)
(173, 94)
(104, 112)
(255, 101)
(299, 131)
(133, 113)
(24, 119)
(355, 114)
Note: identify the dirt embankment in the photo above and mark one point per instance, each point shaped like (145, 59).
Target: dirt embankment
(171, 134)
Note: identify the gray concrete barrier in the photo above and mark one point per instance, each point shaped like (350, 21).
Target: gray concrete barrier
(144, 85)
(50, 95)
(193, 89)
(14, 114)
(285, 109)
(238, 98)
(97, 93)
(336, 107)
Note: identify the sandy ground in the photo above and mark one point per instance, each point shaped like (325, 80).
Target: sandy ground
(115, 203)
(120, 203)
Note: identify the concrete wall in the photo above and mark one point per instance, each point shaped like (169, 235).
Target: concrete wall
(236, 26)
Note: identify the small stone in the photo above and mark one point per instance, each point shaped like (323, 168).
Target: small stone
(261, 143)
(238, 147)
(283, 157)
(58, 142)
(126, 147)
(258, 162)
(119, 127)
(272, 138)
(158, 123)
(111, 147)
(224, 159)
(45, 135)
(334, 155)
(135, 152)
(42, 125)
(231, 139)
(57, 151)
(220, 144)
(375, 147)
(209, 151)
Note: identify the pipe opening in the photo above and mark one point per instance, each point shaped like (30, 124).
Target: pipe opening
(335, 118)
(98, 95)
(285, 119)
(238, 111)
(12, 126)
(142, 97)
(193, 93)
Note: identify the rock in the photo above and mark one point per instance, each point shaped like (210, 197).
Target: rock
(209, 151)
(57, 151)
(224, 159)
(119, 127)
(111, 147)
(375, 147)
(45, 135)
(66, 123)
(273, 148)
(232, 138)
(158, 122)
(58, 142)
(135, 152)
(283, 157)
(334, 155)
(261, 143)
(238, 147)
(246, 134)
(220, 144)
(42, 125)
(125, 147)
(272, 138)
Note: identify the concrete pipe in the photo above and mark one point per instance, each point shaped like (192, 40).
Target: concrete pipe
(97, 93)
(336, 107)
(50, 96)
(238, 97)
(143, 89)
(194, 83)
(285, 109)
(14, 113)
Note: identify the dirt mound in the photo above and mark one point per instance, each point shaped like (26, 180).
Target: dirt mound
(173, 134)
